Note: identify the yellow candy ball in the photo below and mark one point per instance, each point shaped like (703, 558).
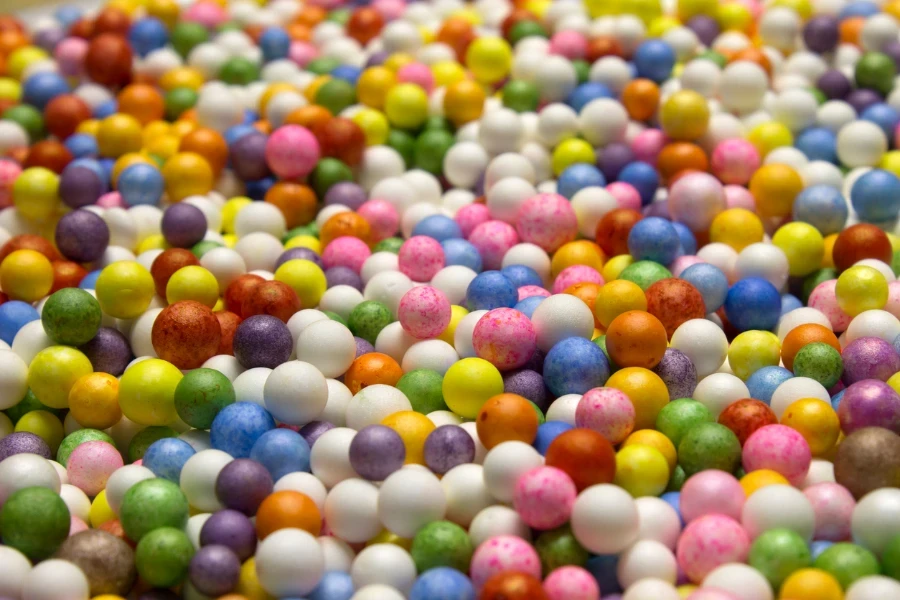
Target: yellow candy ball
(388, 537)
(26, 275)
(119, 134)
(374, 124)
(181, 77)
(35, 193)
(770, 135)
(147, 392)
(751, 351)
(646, 390)
(816, 421)
(22, 58)
(152, 242)
(692, 8)
(861, 288)
(230, 211)
(45, 425)
(193, 283)
(774, 187)
(489, 59)
(736, 227)
(464, 101)
(413, 428)
(447, 72)
(10, 89)
(803, 245)
(305, 278)
(572, 151)
(616, 297)
(468, 384)
(684, 115)
(456, 315)
(580, 252)
(828, 254)
(187, 174)
(305, 241)
(248, 583)
(614, 266)
(655, 439)
(894, 382)
(373, 85)
(53, 372)
(125, 289)
(94, 401)
(406, 105)
(756, 480)
(641, 470)
(101, 512)
(811, 584)
(734, 16)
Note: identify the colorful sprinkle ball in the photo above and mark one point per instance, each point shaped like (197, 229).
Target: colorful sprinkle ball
(445, 300)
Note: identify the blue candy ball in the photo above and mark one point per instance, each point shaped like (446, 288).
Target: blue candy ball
(604, 568)
(82, 145)
(654, 60)
(818, 143)
(238, 426)
(460, 252)
(643, 178)
(876, 196)
(275, 43)
(547, 432)
(884, 115)
(90, 280)
(148, 34)
(789, 302)
(439, 227)
(106, 109)
(522, 275)
(584, 93)
(655, 239)
(528, 305)
(574, 366)
(442, 583)
(710, 281)
(578, 177)
(141, 184)
(14, 314)
(334, 585)
(753, 303)
(41, 88)
(281, 451)
(763, 383)
(490, 290)
(166, 457)
(823, 207)
(687, 239)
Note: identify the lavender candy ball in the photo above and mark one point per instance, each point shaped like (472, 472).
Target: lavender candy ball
(528, 384)
(376, 451)
(821, 33)
(82, 236)
(48, 38)
(862, 98)
(869, 358)
(243, 484)
(834, 84)
(343, 276)
(363, 346)
(109, 351)
(80, 186)
(347, 193)
(705, 28)
(377, 58)
(300, 253)
(313, 430)
(678, 373)
(448, 446)
(214, 570)
(232, 529)
(183, 225)
(23, 442)
(262, 341)
(892, 49)
(248, 157)
(869, 403)
(613, 159)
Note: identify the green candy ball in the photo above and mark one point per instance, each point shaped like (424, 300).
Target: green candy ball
(200, 395)
(239, 71)
(431, 147)
(423, 388)
(322, 65)
(890, 558)
(391, 244)
(777, 553)
(34, 521)
(187, 35)
(151, 504)
(676, 481)
(520, 96)
(336, 94)
(678, 417)
(163, 556)
(819, 361)
(847, 562)
(201, 248)
(559, 548)
(26, 405)
(441, 544)
(145, 437)
(876, 71)
(71, 317)
(709, 446)
(75, 439)
(328, 171)
(368, 318)
(29, 118)
(645, 273)
(405, 145)
(178, 101)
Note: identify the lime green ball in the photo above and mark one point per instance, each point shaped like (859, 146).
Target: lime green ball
(391, 244)
(335, 317)
(28, 404)
(437, 122)
(645, 273)
(676, 481)
(876, 71)
(524, 29)
(322, 65)
(819, 361)
(336, 94)
(145, 437)
(179, 100)
(152, 504)
(368, 318)
(339, 16)
(441, 544)
(847, 562)
(405, 145)
(29, 118)
(715, 57)
(520, 96)
(329, 171)
(239, 71)
(559, 548)
(200, 395)
(34, 521)
(890, 558)
(45, 425)
(709, 446)
(678, 417)
(185, 36)
(201, 248)
(163, 556)
(777, 553)
(423, 388)
(582, 70)
(431, 147)
(75, 439)
(71, 316)
(309, 229)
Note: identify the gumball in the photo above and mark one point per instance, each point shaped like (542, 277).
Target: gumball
(585, 455)
(858, 242)
(745, 416)
(708, 445)
(727, 536)
(503, 553)
(607, 411)
(91, 464)
(711, 492)
(792, 452)
(505, 337)
(865, 399)
(186, 334)
(636, 339)
(778, 553)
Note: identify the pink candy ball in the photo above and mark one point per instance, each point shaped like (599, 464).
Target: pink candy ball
(69, 55)
(734, 161)
(76, 525)
(292, 151)
(626, 195)
(527, 291)
(695, 200)
(683, 262)
(544, 497)
(493, 239)
(383, 218)
(824, 300)
(91, 464)
(779, 448)
(709, 542)
(607, 411)
(571, 583)
(712, 594)
(391, 10)
(424, 312)
(346, 251)
(568, 43)
(576, 274)
(302, 52)
(548, 221)
(893, 303)
(111, 200)
(421, 257)
(647, 145)
(208, 14)
(418, 74)
(712, 492)
(503, 553)
(471, 216)
(833, 506)
(9, 171)
(505, 338)
(737, 196)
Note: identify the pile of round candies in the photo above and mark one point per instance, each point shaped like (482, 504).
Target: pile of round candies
(439, 300)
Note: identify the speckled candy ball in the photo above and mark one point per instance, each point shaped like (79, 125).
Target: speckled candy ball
(607, 411)
(23, 442)
(869, 403)
(824, 300)
(678, 373)
(503, 553)
(214, 570)
(292, 151)
(711, 492)
(424, 312)
(571, 583)
(82, 236)
(448, 446)
(869, 358)
(709, 542)
(493, 239)
(528, 384)
(232, 529)
(376, 451)
(779, 448)
(548, 221)
(243, 484)
(544, 496)
(109, 351)
(420, 258)
(833, 506)
(383, 218)
(91, 464)
(346, 251)
(262, 341)
(505, 337)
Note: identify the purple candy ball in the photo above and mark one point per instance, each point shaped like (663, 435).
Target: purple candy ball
(214, 570)
(861, 99)
(705, 28)
(613, 159)
(536, 362)
(869, 358)
(528, 384)
(299, 253)
(248, 157)
(183, 225)
(678, 373)
(232, 529)
(82, 236)
(313, 430)
(23, 442)
(262, 341)
(834, 84)
(377, 58)
(109, 351)
(892, 49)
(376, 451)
(347, 193)
(343, 276)
(869, 403)
(448, 446)
(243, 484)
(363, 346)
(80, 186)
(48, 38)
(821, 33)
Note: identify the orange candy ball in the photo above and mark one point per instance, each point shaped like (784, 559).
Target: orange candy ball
(228, 323)
(108, 60)
(678, 157)
(504, 418)
(49, 154)
(613, 229)
(364, 24)
(186, 334)
(858, 242)
(274, 298)
(510, 585)
(143, 102)
(345, 223)
(308, 116)
(165, 265)
(209, 144)
(370, 369)
(641, 99)
(238, 290)
(64, 114)
(636, 339)
(28, 241)
(674, 301)
(585, 456)
(803, 335)
(287, 508)
(297, 202)
(66, 274)
(341, 139)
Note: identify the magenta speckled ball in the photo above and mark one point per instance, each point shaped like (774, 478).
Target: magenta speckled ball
(544, 497)
(712, 492)
(833, 506)
(383, 218)
(471, 216)
(626, 195)
(503, 553)
(712, 594)
(493, 239)
(421, 257)
(737, 196)
(695, 200)
(779, 448)
(607, 411)
(869, 403)
(825, 301)
(709, 542)
(576, 274)
(548, 221)
(91, 464)
(683, 262)
(734, 161)
(527, 291)
(648, 144)
(869, 358)
(424, 312)
(571, 583)
(346, 251)
(505, 338)
(292, 151)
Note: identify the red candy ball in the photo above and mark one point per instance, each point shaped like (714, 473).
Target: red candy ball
(165, 265)
(108, 60)
(674, 301)
(271, 298)
(186, 334)
(744, 417)
(613, 229)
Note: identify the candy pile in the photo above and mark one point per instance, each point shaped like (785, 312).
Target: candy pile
(512, 299)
